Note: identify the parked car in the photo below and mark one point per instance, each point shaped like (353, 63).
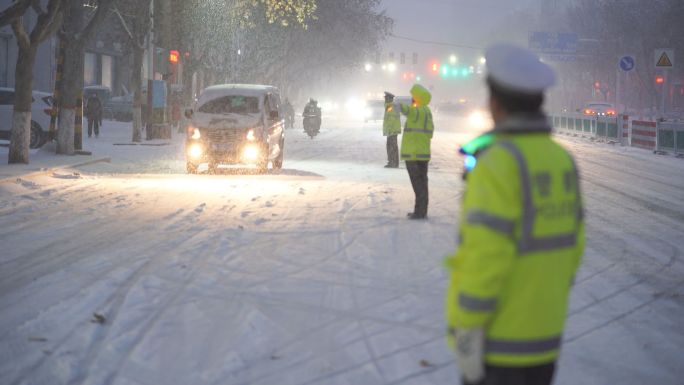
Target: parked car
(40, 116)
(119, 108)
(113, 107)
(598, 109)
(236, 124)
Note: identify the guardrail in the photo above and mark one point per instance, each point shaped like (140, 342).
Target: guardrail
(603, 128)
(669, 138)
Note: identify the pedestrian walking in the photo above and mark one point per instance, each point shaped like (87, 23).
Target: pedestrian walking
(415, 146)
(94, 115)
(521, 234)
(391, 128)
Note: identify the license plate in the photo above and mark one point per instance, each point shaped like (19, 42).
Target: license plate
(222, 147)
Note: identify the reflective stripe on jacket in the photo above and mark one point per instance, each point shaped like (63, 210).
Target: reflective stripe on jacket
(522, 237)
(391, 124)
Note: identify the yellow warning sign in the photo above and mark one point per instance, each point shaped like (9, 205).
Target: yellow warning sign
(664, 61)
(664, 58)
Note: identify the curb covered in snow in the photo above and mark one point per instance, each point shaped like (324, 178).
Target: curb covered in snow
(53, 169)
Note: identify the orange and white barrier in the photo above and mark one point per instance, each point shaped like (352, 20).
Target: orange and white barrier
(644, 134)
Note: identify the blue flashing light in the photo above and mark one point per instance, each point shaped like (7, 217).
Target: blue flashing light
(470, 162)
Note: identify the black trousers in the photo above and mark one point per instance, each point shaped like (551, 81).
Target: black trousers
(91, 123)
(533, 375)
(392, 151)
(418, 172)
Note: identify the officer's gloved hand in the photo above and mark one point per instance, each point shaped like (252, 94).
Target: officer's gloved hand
(470, 353)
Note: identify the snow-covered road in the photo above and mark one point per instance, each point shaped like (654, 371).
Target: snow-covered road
(135, 273)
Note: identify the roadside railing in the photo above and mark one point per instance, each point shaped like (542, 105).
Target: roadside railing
(670, 138)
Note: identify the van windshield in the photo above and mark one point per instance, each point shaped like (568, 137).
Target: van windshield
(233, 104)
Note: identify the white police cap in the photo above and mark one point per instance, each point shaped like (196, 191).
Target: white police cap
(518, 70)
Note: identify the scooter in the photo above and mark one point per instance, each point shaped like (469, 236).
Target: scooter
(312, 124)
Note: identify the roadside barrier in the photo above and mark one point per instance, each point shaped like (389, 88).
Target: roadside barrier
(644, 134)
(624, 121)
(670, 138)
(576, 125)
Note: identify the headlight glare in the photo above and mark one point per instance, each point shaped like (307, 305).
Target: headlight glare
(250, 153)
(196, 133)
(195, 151)
(250, 135)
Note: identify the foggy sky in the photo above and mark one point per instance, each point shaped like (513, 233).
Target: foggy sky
(466, 22)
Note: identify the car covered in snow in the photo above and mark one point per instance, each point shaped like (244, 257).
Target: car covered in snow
(236, 124)
(41, 109)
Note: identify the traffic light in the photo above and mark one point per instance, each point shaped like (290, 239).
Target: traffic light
(445, 71)
(174, 56)
(597, 85)
(434, 68)
(660, 80)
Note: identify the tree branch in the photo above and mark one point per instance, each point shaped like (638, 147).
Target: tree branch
(45, 21)
(14, 11)
(23, 39)
(97, 19)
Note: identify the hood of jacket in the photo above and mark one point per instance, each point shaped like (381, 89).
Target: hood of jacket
(421, 95)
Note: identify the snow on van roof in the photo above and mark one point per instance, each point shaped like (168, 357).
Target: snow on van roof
(254, 90)
(242, 89)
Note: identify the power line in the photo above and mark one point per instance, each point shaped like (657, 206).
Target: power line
(435, 42)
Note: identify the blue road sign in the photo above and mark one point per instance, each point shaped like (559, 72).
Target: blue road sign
(554, 42)
(627, 63)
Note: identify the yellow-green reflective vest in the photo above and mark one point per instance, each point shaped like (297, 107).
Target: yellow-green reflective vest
(391, 124)
(522, 238)
(418, 131)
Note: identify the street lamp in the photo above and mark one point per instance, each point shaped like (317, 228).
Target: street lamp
(368, 67)
(483, 60)
(453, 59)
(392, 67)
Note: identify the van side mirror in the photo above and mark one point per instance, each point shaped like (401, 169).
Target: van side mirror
(274, 115)
(189, 113)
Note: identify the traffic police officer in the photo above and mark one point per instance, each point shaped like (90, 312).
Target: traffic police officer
(391, 127)
(415, 146)
(521, 235)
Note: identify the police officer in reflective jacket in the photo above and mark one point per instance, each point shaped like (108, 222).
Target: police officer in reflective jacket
(521, 235)
(391, 128)
(415, 146)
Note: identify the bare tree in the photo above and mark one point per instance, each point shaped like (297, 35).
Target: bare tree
(47, 22)
(136, 22)
(74, 37)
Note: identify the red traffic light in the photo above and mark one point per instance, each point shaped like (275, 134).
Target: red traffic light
(434, 67)
(597, 85)
(173, 56)
(660, 79)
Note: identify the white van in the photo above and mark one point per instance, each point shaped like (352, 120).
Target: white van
(236, 124)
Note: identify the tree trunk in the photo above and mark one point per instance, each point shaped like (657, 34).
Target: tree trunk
(72, 78)
(23, 98)
(136, 82)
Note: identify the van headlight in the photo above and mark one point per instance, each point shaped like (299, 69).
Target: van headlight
(196, 134)
(195, 151)
(250, 153)
(250, 135)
